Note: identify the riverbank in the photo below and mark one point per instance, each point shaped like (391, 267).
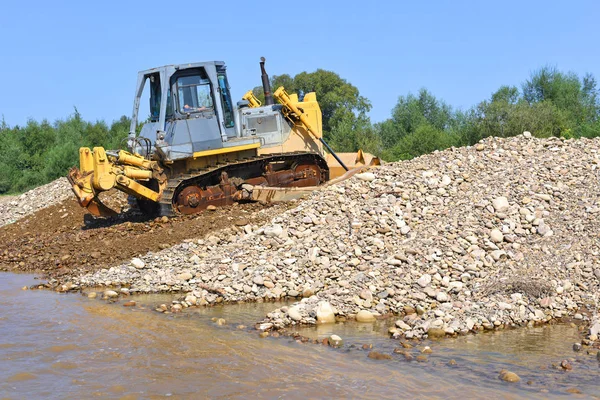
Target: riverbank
(73, 347)
(496, 235)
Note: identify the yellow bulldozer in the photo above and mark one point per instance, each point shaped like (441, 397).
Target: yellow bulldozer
(199, 149)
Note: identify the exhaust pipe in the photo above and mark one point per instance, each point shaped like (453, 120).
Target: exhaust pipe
(265, 83)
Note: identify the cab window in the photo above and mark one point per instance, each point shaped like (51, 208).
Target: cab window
(226, 100)
(194, 94)
(155, 97)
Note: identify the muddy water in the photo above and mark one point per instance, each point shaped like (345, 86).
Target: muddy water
(68, 346)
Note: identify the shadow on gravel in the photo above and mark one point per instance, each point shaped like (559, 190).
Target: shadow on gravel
(134, 216)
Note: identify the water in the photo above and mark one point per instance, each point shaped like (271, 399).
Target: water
(72, 347)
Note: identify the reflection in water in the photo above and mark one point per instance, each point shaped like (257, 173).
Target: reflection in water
(68, 346)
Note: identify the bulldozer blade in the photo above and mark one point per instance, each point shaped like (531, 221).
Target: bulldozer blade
(352, 161)
(97, 208)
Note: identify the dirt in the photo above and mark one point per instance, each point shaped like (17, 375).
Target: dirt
(64, 239)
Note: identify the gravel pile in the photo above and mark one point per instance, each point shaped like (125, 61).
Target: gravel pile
(504, 233)
(13, 208)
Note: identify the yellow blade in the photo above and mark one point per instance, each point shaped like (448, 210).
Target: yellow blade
(95, 207)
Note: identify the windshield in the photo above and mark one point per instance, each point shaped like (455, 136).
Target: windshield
(194, 94)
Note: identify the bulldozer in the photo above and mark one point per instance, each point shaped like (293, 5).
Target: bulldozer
(198, 149)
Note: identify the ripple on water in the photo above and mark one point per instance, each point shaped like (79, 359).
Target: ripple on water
(88, 347)
(21, 376)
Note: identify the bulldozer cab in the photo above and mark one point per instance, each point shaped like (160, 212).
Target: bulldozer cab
(191, 110)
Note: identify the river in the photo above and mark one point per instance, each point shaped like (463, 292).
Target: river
(71, 347)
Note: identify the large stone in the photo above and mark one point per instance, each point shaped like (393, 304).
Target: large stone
(273, 231)
(138, 263)
(442, 297)
(424, 280)
(496, 236)
(335, 341)
(325, 313)
(595, 329)
(294, 313)
(366, 176)
(184, 276)
(508, 376)
(434, 333)
(500, 204)
(365, 316)
(366, 294)
(110, 294)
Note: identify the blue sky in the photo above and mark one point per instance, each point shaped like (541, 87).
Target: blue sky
(61, 54)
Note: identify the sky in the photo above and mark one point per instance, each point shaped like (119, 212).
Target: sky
(57, 55)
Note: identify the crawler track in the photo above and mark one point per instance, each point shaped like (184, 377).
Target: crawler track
(192, 193)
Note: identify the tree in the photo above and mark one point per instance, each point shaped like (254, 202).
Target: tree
(413, 111)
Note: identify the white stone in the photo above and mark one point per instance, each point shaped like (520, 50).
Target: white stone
(366, 176)
(424, 280)
(441, 297)
(138, 263)
(294, 313)
(496, 236)
(500, 204)
(325, 313)
(273, 231)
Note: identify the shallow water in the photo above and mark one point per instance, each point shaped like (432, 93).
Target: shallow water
(69, 346)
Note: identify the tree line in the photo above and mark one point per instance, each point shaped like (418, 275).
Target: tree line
(549, 103)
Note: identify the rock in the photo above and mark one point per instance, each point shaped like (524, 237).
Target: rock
(366, 294)
(366, 176)
(508, 376)
(294, 314)
(129, 303)
(325, 314)
(424, 280)
(138, 263)
(566, 365)
(221, 321)
(335, 341)
(274, 231)
(185, 276)
(258, 280)
(92, 295)
(442, 297)
(402, 325)
(577, 347)
(375, 355)
(191, 299)
(595, 329)
(211, 208)
(496, 236)
(109, 294)
(435, 333)
(364, 316)
(500, 204)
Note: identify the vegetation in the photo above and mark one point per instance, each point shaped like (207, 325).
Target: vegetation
(40, 152)
(549, 103)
